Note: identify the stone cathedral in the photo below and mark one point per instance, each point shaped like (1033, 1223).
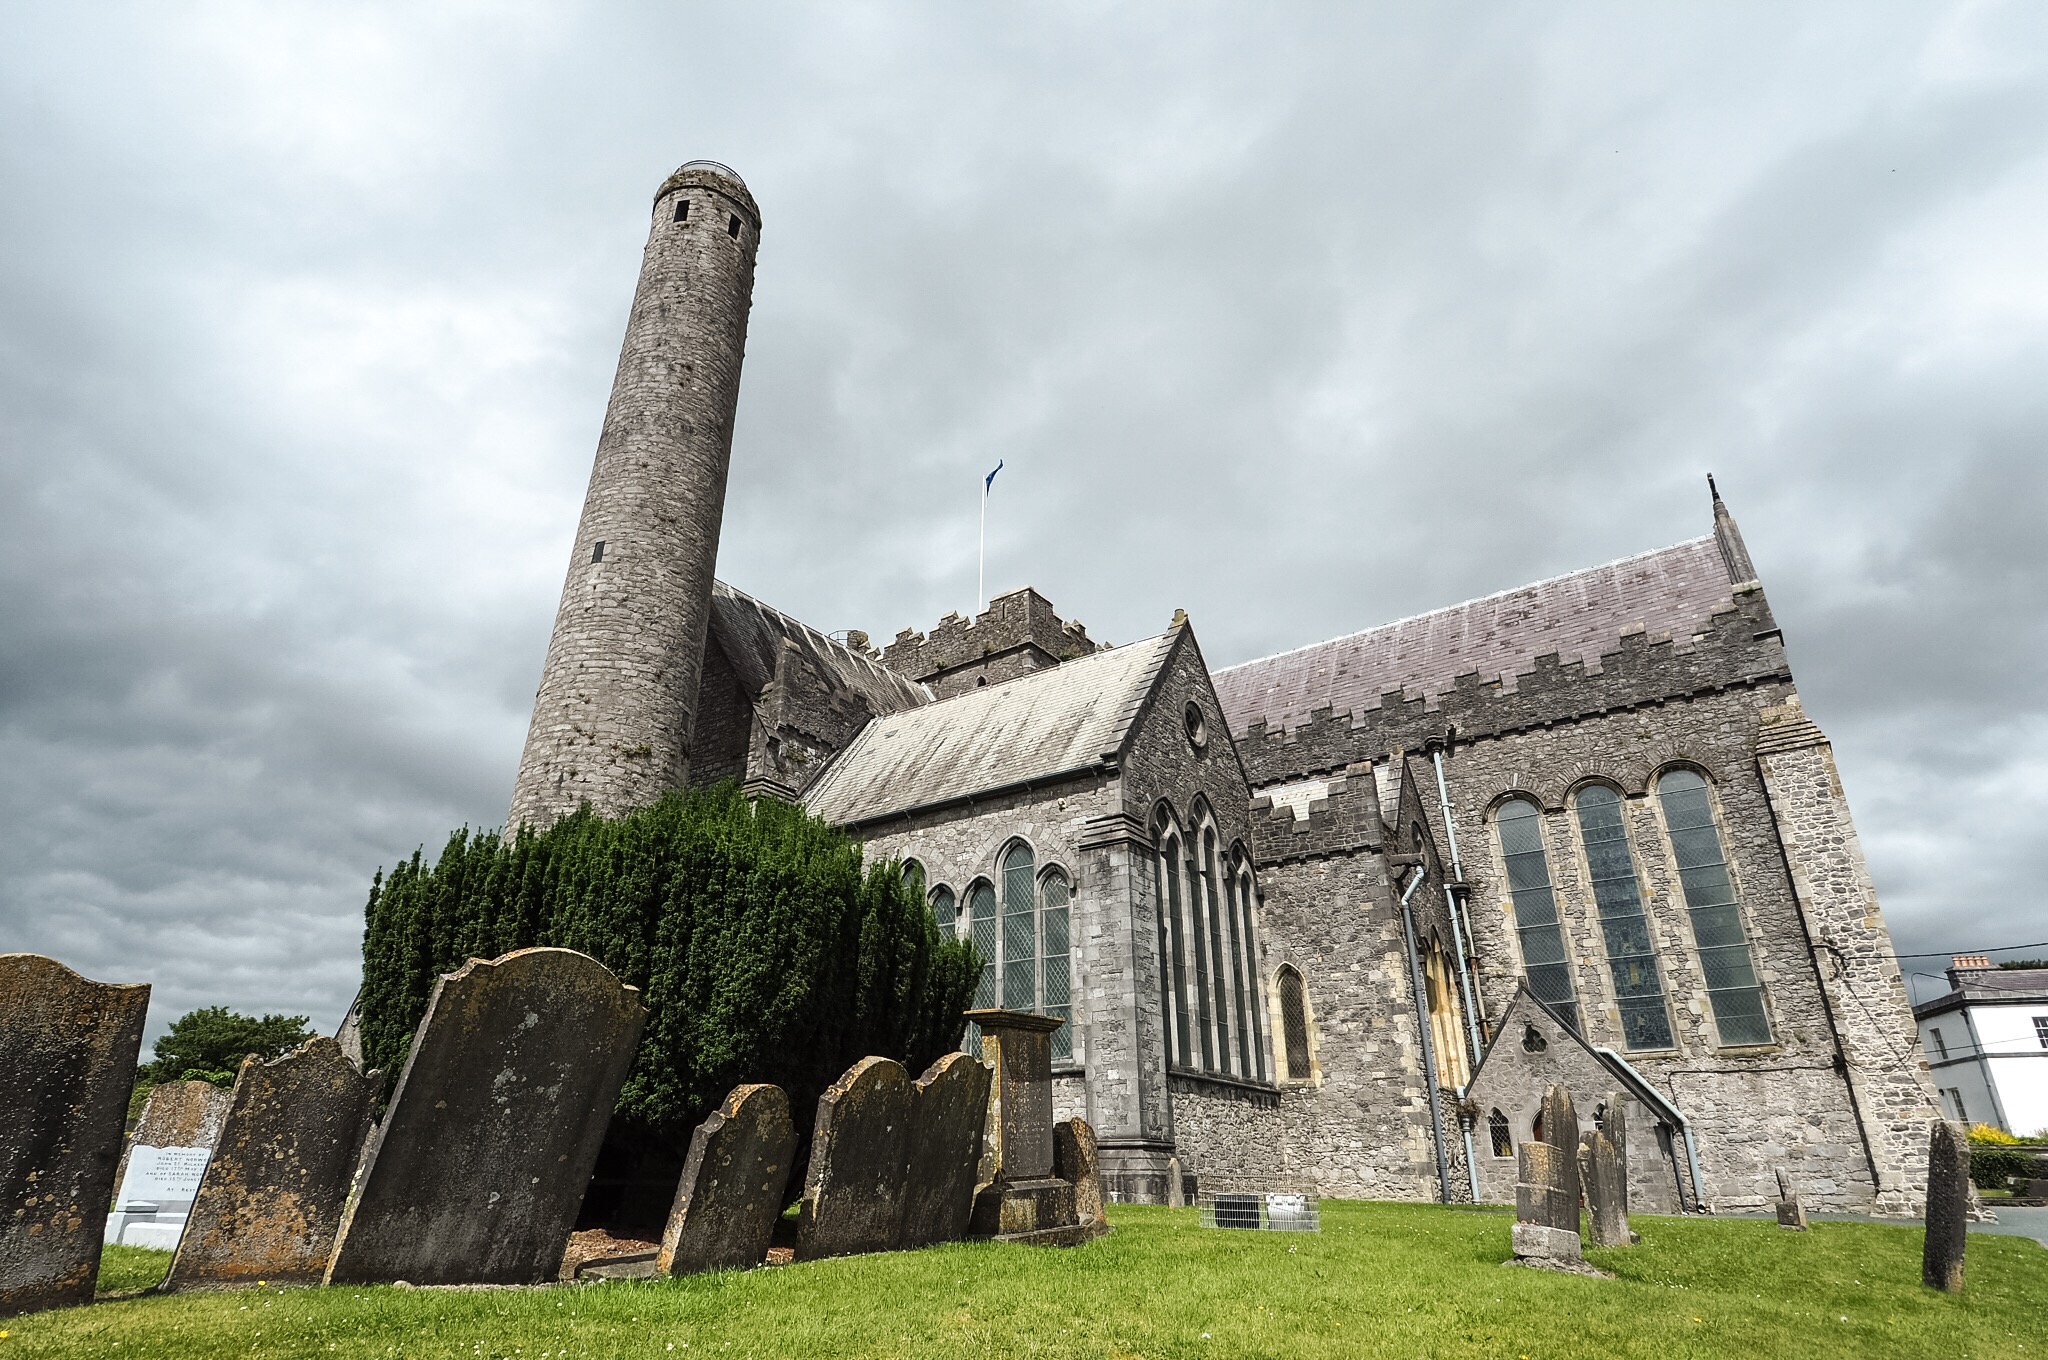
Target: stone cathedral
(1330, 920)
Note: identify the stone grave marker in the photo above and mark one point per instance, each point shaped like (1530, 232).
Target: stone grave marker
(1605, 1176)
(1948, 1208)
(1561, 1131)
(1791, 1213)
(1176, 1185)
(1075, 1158)
(67, 1064)
(1025, 1201)
(271, 1200)
(165, 1157)
(860, 1151)
(1541, 1208)
(479, 1168)
(948, 1114)
(1614, 1123)
(733, 1185)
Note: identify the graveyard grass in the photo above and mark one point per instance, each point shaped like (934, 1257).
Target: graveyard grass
(1379, 1280)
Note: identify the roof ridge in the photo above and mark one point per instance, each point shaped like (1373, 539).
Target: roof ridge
(874, 666)
(1065, 667)
(1467, 604)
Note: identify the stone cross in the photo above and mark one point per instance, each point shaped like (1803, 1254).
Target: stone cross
(1948, 1208)
(1541, 1210)
(733, 1185)
(1791, 1213)
(67, 1064)
(478, 1171)
(860, 1153)
(1561, 1131)
(271, 1200)
(949, 1112)
(1605, 1176)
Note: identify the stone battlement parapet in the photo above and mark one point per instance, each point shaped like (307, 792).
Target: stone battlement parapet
(1343, 819)
(1017, 633)
(1738, 646)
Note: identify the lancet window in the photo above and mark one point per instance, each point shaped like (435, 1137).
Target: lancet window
(1294, 1024)
(1631, 957)
(1733, 992)
(1544, 961)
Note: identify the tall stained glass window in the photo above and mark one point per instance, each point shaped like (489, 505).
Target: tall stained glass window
(1294, 1023)
(945, 912)
(1199, 938)
(1020, 930)
(1058, 993)
(1169, 869)
(1237, 974)
(1216, 953)
(1734, 993)
(981, 930)
(1631, 957)
(1245, 902)
(1520, 823)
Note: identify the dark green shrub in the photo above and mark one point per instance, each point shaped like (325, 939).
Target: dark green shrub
(1992, 1165)
(209, 1044)
(762, 949)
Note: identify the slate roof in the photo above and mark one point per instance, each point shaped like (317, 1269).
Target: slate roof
(1994, 986)
(752, 633)
(1062, 720)
(1669, 592)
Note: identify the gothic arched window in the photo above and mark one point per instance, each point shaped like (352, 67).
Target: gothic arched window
(981, 932)
(1020, 929)
(1248, 933)
(1294, 1022)
(1520, 824)
(1056, 997)
(945, 912)
(1631, 957)
(1175, 948)
(1222, 943)
(1498, 1134)
(1732, 988)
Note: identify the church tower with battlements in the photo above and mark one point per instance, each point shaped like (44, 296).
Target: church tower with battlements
(613, 718)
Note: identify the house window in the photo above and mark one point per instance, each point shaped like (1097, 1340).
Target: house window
(1941, 1047)
(1294, 1022)
(1631, 958)
(1498, 1134)
(1733, 992)
(1955, 1101)
(1520, 824)
(945, 912)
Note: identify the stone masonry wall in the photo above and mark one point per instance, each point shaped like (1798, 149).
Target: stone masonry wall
(1018, 633)
(613, 715)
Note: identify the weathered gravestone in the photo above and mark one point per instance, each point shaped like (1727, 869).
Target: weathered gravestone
(163, 1163)
(479, 1168)
(1176, 1185)
(948, 1111)
(1604, 1173)
(1948, 1208)
(1791, 1213)
(1076, 1159)
(860, 1152)
(271, 1200)
(733, 1185)
(1561, 1131)
(1542, 1210)
(67, 1064)
(1025, 1201)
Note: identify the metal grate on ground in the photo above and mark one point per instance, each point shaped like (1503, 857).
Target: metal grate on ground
(1262, 1210)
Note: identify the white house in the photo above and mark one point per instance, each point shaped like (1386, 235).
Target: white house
(1987, 1044)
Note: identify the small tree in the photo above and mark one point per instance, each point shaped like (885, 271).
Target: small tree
(209, 1044)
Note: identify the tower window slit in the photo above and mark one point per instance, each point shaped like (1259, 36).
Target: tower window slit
(682, 210)
(732, 225)
(597, 551)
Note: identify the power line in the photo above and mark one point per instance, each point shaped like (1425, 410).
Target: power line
(2000, 949)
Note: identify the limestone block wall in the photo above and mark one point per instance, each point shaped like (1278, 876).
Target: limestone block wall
(1018, 633)
(613, 716)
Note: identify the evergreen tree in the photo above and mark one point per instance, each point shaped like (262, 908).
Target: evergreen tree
(763, 948)
(209, 1044)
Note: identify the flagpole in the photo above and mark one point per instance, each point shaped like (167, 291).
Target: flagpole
(981, 557)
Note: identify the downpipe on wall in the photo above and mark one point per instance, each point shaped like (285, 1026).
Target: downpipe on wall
(1436, 1121)
(1458, 935)
(1692, 1156)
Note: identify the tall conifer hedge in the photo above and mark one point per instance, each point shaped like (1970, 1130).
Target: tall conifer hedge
(762, 949)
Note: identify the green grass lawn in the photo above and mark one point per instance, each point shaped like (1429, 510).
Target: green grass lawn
(1380, 1279)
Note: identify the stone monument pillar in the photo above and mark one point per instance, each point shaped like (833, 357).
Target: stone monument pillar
(1025, 1202)
(612, 720)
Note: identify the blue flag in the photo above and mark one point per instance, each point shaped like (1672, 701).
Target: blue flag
(989, 481)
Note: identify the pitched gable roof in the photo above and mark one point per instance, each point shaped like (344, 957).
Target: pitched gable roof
(752, 634)
(1070, 718)
(1581, 616)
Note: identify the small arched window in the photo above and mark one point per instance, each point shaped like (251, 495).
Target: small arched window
(981, 931)
(1498, 1134)
(945, 912)
(1294, 1022)
(1631, 957)
(913, 876)
(1020, 929)
(1732, 988)
(1520, 824)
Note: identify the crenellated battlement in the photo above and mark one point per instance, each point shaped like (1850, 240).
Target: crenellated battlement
(1301, 820)
(1018, 633)
(1739, 645)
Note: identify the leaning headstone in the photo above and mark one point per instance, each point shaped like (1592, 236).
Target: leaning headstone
(1605, 1176)
(67, 1064)
(1025, 1202)
(479, 1168)
(1615, 1126)
(1176, 1185)
(1948, 1207)
(1076, 1159)
(271, 1200)
(163, 1163)
(948, 1114)
(1791, 1213)
(1561, 1131)
(1539, 1233)
(733, 1183)
(860, 1152)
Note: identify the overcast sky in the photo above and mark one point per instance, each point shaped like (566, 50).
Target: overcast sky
(1299, 318)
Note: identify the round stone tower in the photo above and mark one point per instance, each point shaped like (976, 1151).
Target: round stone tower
(618, 696)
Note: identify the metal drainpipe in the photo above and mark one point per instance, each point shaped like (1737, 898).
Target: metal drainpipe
(1692, 1156)
(1436, 1122)
(1458, 937)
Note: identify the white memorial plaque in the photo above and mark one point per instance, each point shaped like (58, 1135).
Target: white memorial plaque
(166, 1177)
